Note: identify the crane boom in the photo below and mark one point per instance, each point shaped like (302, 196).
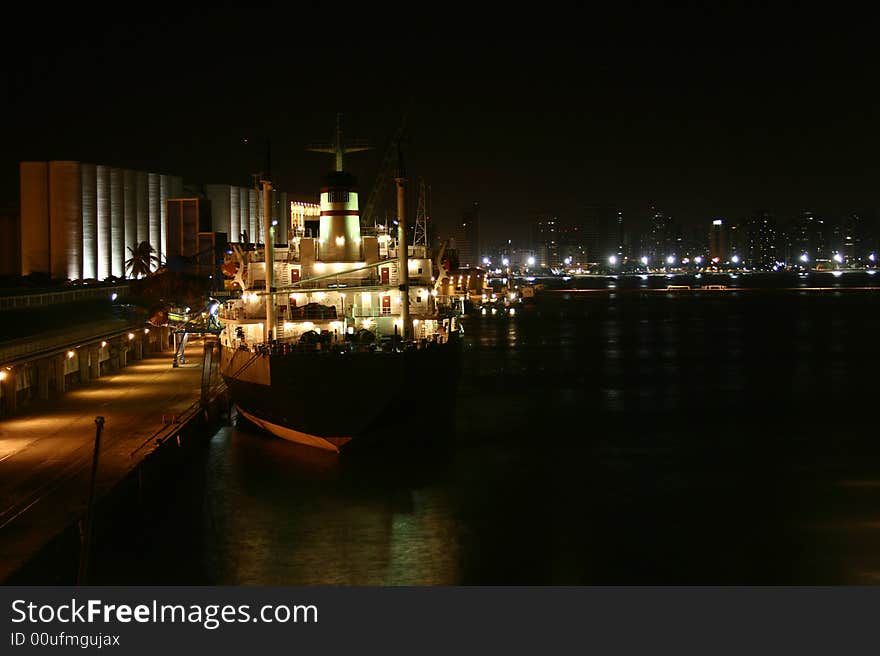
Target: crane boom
(386, 169)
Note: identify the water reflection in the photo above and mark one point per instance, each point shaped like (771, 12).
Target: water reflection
(635, 440)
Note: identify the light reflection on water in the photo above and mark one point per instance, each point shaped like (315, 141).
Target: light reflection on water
(676, 440)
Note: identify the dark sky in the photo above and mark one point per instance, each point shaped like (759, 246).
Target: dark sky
(700, 112)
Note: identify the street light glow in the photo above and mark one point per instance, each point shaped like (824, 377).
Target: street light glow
(531, 261)
(670, 259)
(735, 259)
(804, 257)
(612, 260)
(645, 260)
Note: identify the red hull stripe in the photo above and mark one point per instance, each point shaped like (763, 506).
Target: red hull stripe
(339, 212)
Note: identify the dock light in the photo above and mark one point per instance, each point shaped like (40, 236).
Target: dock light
(838, 258)
(103, 344)
(130, 336)
(644, 260)
(612, 260)
(70, 355)
(531, 261)
(113, 296)
(804, 257)
(670, 259)
(735, 259)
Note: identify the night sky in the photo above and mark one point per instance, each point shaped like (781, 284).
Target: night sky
(699, 112)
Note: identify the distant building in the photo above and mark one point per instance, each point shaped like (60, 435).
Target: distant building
(719, 241)
(807, 236)
(467, 237)
(603, 234)
(663, 239)
(238, 212)
(545, 241)
(187, 217)
(79, 219)
(761, 249)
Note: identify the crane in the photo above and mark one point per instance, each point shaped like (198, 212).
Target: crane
(386, 171)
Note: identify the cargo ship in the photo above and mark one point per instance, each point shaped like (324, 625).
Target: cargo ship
(341, 337)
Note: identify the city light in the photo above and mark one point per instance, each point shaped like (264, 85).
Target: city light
(2, 375)
(113, 296)
(804, 257)
(612, 260)
(486, 261)
(698, 259)
(70, 355)
(531, 261)
(838, 258)
(103, 344)
(872, 257)
(505, 262)
(670, 259)
(735, 259)
(645, 260)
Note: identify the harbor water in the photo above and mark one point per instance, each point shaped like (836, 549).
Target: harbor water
(616, 437)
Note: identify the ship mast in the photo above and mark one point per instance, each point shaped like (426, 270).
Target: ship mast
(269, 241)
(403, 266)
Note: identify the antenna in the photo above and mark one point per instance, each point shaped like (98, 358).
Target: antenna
(338, 148)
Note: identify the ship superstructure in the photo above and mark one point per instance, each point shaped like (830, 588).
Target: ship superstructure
(324, 312)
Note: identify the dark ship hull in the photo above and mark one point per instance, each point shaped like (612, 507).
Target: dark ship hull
(332, 399)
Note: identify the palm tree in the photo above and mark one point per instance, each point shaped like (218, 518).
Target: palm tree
(142, 260)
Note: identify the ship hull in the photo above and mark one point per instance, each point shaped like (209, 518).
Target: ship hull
(331, 401)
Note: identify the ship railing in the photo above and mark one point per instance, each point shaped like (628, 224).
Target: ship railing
(339, 347)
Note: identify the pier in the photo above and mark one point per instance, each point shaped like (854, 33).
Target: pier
(46, 449)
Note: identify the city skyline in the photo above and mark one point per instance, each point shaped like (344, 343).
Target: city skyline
(774, 115)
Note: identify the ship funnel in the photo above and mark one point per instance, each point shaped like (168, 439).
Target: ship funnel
(339, 237)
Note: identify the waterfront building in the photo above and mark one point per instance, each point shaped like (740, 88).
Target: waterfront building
(79, 219)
